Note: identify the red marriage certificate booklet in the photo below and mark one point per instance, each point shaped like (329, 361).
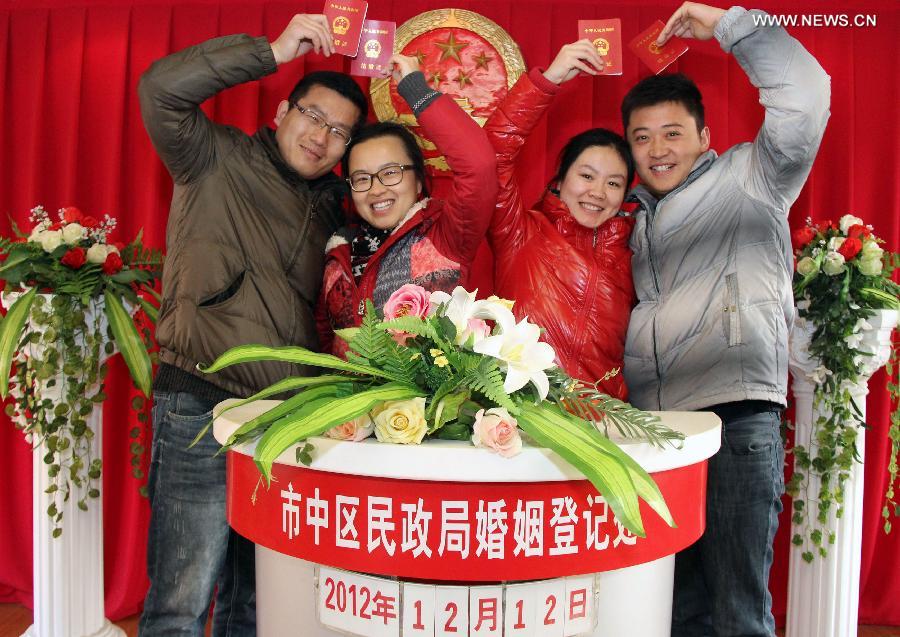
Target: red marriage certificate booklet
(376, 45)
(345, 17)
(606, 36)
(657, 57)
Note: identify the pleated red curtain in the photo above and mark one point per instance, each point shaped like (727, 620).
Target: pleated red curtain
(71, 135)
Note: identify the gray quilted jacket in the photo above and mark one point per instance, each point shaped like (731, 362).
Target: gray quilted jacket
(712, 261)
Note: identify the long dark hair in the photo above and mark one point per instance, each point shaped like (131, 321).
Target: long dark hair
(390, 129)
(593, 137)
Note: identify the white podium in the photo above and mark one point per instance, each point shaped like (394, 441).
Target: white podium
(823, 596)
(376, 515)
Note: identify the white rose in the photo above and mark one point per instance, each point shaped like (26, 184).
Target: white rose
(72, 233)
(848, 220)
(835, 243)
(50, 240)
(871, 250)
(97, 253)
(37, 232)
(870, 266)
(833, 264)
(401, 421)
(807, 266)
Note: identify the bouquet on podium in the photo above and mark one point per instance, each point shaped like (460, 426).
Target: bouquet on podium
(437, 365)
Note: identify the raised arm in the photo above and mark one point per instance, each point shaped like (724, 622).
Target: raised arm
(468, 208)
(173, 88)
(793, 88)
(512, 122)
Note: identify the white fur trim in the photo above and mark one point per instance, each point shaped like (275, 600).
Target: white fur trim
(416, 207)
(335, 241)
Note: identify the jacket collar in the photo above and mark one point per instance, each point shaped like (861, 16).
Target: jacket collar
(648, 201)
(559, 215)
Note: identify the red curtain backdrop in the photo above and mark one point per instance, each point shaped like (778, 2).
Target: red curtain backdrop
(72, 135)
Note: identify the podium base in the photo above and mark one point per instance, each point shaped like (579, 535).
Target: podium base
(632, 601)
(109, 630)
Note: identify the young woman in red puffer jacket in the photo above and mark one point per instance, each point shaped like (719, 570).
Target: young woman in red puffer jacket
(566, 261)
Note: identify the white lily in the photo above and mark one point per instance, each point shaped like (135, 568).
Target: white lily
(461, 308)
(525, 356)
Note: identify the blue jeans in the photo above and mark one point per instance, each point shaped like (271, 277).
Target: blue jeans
(722, 581)
(191, 550)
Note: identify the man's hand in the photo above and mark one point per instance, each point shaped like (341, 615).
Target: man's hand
(692, 20)
(572, 58)
(304, 33)
(399, 66)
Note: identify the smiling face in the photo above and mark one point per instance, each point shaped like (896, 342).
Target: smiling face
(665, 143)
(383, 206)
(309, 149)
(594, 185)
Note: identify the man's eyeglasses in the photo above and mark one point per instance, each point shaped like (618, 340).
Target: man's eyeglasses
(318, 121)
(361, 181)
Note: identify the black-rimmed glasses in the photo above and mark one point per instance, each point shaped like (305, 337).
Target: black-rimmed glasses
(318, 121)
(361, 181)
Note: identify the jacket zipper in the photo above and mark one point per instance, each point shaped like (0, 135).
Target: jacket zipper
(648, 233)
(587, 307)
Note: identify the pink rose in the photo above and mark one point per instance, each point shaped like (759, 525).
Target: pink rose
(355, 430)
(409, 300)
(498, 431)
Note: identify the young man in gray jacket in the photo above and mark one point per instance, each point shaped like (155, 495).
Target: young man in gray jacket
(712, 269)
(245, 241)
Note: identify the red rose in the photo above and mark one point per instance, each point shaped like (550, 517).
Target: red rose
(825, 226)
(74, 258)
(89, 222)
(112, 264)
(71, 214)
(850, 248)
(802, 237)
(859, 231)
(56, 226)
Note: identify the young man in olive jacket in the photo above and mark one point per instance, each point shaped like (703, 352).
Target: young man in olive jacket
(712, 269)
(245, 242)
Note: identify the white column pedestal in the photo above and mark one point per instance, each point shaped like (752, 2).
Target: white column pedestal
(68, 570)
(823, 597)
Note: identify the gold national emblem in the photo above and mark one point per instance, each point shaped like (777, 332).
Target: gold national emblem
(464, 55)
(372, 48)
(602, 46)
(654, 48)
(340, 25)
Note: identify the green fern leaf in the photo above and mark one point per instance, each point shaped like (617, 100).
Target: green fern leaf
(487, 380)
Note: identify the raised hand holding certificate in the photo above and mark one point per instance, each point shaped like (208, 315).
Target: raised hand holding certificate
(606, 36)
(375, 48)
(657, 57)
(345, 19)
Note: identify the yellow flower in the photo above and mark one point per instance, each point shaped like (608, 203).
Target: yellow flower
(435, 352)
(441, 361)
(401, 422)
(415, 356)
(504, 302)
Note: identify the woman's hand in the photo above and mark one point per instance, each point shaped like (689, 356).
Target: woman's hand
(399, 66)
(580, 56)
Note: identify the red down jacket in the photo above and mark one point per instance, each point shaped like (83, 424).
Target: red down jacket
(573, 281)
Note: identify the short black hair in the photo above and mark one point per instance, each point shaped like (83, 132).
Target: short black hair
(594, 137)
(390, 129)
(340, 83)
(658, 89)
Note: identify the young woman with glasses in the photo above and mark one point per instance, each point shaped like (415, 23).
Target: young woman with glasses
(403, 236)
(566, 261)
